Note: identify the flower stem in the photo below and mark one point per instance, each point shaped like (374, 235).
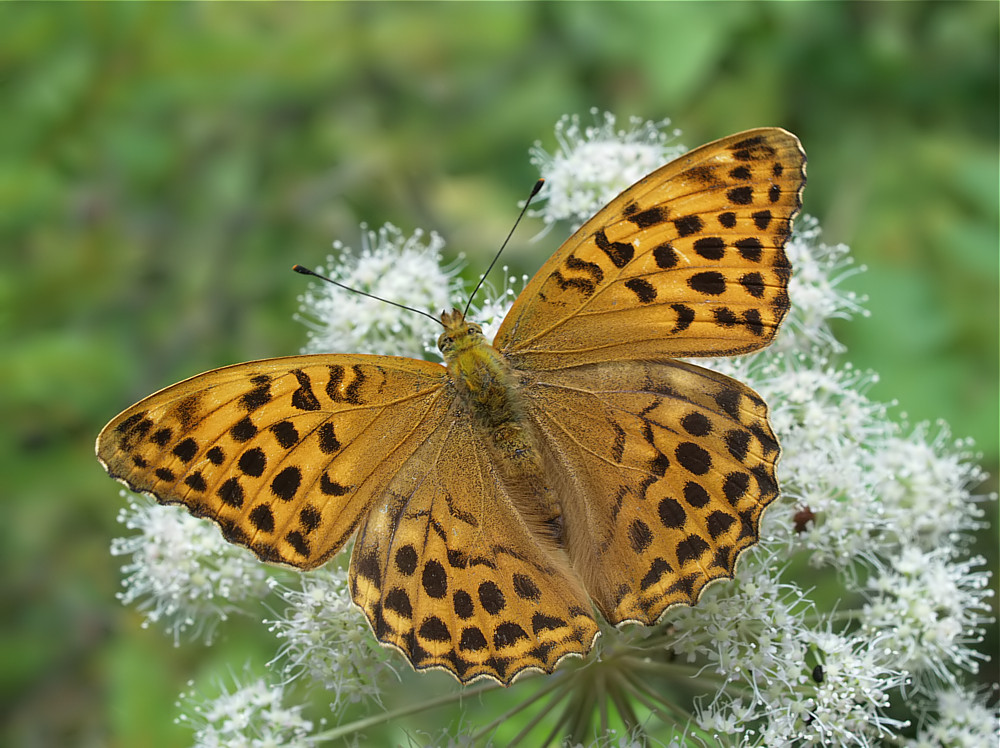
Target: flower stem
(448, 698)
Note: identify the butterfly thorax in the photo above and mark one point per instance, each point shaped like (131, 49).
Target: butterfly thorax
(489, 389)
(484, 380)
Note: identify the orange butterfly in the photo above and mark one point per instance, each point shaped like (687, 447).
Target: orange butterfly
(574, 463)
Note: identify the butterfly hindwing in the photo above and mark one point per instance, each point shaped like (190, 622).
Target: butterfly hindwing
(285, 454)
(689, 261)
(448, 571)
(667, 469)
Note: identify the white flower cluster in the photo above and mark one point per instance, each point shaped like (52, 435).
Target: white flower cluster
(956, 719)
(182, 574)
(407, 270)
(596, 162)
(853, 622)
(250, 715)
(325, 638)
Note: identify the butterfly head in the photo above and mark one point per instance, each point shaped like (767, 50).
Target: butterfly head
(459, 335)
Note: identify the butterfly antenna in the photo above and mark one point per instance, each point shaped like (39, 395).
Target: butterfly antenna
(307, 271)
(534, 191)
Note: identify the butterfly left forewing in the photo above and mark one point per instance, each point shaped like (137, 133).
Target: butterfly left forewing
(286, 454)
(689, 261)
(665, 470)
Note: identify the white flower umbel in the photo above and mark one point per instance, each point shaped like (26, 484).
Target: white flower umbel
(827, 426)
(326, 638)
(957, 718)
(761, 639)
(405, 269)
(925, 485)
(853, 682)
(252, 715)
(931, 610)
(596, 162)
(182, 574)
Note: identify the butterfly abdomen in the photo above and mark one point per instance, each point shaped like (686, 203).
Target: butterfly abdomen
(488, 388)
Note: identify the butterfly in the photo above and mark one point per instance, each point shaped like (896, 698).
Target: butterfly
(572, 468)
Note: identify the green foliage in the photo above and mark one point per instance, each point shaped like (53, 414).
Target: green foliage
(163, 166)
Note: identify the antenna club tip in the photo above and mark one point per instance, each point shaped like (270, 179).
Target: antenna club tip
(538, 186)
(300, 269)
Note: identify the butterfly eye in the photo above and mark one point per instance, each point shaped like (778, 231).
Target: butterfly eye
(446, 343)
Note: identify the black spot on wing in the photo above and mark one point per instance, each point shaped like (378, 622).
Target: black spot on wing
(253, 462)
(691, 549)
(262, 518)
(328, 442)
(259, 396)
(710, 247)
(685, 316)
(583, 285)
(286, 483)
(727, 220)
(620, 253)
(753, 284)
(243, 430)
(590, 268)
(186, 450)
(642, 288)
(703, 175)
(639, 536)
(310, 518)
(304, 398)
(740, 195)
(762, 219)
(285, 433)
(161, 437)
(696, 495)
(434, 579)
(650, 217)
(665, 256)
(406, 559)
(231, 493)
(709, 283)
(688, 225)
(749, 248)
(336, 389)
(165, 474)
(331, 487)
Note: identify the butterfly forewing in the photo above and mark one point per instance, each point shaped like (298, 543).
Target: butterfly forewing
(285, 454)
(689, 261)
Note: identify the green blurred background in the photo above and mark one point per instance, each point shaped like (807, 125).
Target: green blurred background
(164, 165)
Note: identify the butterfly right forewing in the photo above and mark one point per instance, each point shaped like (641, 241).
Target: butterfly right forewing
(689, 261)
